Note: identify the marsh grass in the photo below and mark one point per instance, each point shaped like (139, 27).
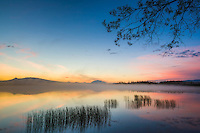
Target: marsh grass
(164, 104)
(140, 101)
(110, 103)
(59, 120)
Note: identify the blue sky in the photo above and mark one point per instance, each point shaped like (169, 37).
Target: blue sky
(65, 40)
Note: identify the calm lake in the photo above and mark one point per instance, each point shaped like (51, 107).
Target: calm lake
(106, 109)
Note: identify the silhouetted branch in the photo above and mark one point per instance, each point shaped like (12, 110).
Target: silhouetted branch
(151, 17)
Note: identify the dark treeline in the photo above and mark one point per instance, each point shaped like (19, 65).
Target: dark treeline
(140, 101)
(138, 82)
(191, 83)
(77, 118)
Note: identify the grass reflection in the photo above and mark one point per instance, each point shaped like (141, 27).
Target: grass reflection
(140, 101)
(78, 118)
(164, 104)
(110, 103)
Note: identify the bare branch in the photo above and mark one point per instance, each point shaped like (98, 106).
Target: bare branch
(151, 16)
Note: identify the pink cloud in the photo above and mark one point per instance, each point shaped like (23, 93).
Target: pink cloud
(155, 67)
(183, 52)
(27, 51)
(145, 57)
(21, 50)
(37, 66)
(62, 67)
(5, 45)
(16, 45)
(2, 46)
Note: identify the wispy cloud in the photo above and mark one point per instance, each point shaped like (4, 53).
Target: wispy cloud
(155, 67)
(62, 67)
(111, 52)
(24, 67)
(79, 78)
(27, 68)
(187, 53)
(8, 72)
(28, 52)
(2, 46)
(20, 67)
(183, 52)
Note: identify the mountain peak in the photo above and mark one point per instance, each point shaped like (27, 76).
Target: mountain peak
(98, 81)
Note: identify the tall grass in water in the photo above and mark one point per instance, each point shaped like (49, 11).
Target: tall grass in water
(78, 118)
(164, 104)
(110, 103)
(140, 101)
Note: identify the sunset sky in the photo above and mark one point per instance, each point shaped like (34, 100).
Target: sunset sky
(65, 41)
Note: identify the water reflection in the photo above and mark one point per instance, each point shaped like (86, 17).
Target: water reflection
(149, 112)
(140, 101)
(111, 103)
(164, 104)
(78, 118)
(186, 121)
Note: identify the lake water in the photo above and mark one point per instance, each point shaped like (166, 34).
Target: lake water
(107, 110)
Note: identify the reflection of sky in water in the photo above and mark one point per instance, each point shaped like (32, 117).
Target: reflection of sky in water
(129, 110)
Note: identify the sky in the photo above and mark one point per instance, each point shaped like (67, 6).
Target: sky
(65, 41)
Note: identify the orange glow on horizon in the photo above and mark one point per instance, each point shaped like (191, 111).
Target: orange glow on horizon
(144, 68)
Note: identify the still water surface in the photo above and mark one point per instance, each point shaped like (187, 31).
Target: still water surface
(100, 111)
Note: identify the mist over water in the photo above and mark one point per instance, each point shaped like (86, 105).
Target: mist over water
(55, 86)
(99, 108)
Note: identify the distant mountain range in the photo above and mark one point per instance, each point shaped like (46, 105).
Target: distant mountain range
(98, 81)
(33, 80)
(25, 81)
(27, 78)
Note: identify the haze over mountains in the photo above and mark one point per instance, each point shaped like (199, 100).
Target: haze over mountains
(33, 85)
(36, 85)
(34, 81)
(26, 81)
